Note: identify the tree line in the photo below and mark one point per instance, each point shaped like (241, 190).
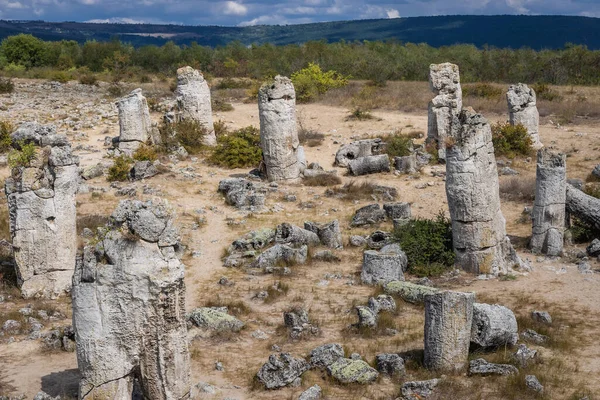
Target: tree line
(370, 60)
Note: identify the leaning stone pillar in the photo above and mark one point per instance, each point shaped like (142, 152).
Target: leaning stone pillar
(42, 213)
(478, 226)
(278, 130)
(522, 109)
(448, 319)
(549, 208)
(444, 81)
(129, 308)
(194, 101)
(135, 126)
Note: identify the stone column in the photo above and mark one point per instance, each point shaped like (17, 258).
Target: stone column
(129, 308)
(134, 122)
(278, 130)
(478, 226)
(549, 208)
(522, 109)
(194, 101)
(448, 319)
(444, 81)
(42, 213)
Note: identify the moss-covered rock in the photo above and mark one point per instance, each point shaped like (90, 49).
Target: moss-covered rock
(409, 292)
(215, 319)
(352, 371)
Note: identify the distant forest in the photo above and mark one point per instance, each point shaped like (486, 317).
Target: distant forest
(370, 60)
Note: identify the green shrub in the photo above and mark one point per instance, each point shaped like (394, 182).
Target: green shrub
(427, 244)
(232, 83)
(238, 149)
(6, 85)
(310, 82)
(398, 145)
(220, 128)
(145, 78)
(510, 140)
(483, 90)
(583, 232)
(119, 171)
(190, 134)
(544, 92)
(22, 157)
(220, 105)
(145, 153)
(6, 128)
(359, 114)
(60, 76)
(88, 79)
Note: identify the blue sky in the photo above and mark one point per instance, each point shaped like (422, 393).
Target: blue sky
(255, 12)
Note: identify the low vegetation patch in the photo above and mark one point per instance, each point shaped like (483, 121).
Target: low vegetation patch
(359, 114)
(517, 188)
(119, 171)
(221, 105)
(6, 85)
(545, 92)
(322, 180)
(427, 244)
(362, 191)
(6, 128)
(187, 133)
(23, 156)
(482, 90)
(92, 222)
(310, 82)
(511, 141)
(398, 145)
(145, 153)
(309, 137)
(238, 149)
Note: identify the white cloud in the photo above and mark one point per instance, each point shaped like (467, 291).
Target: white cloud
(265, 20)
(392, 13)
(299, 10)
(234, 8)
(117, 20)
(518, 5)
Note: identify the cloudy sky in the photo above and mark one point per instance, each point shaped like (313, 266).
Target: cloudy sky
(254, 12)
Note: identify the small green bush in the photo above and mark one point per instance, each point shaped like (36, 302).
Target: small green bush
(220, 105)
(359, 114)
(88, 79)
(145, 153)
(60, 76)
(22, 157)
(220, 128)
(428, 245)
(190, 135)
(511, 140)
(6, 128)
(483, 90)
(119, 171)
(6, 85)
(583, 232)
(310, 82)
(544, 92)
(116, 90)
(398, 145)
(238, 149)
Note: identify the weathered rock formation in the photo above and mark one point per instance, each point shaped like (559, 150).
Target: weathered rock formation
(359, 149)
(478, 226)
(329, 234)
(42, 215)
(369, 165)
(549, 209)
(406, 164)
(493, 326)
(484, 368)
(129, 308)
(134, 122)
(368, 215)
(522, 110)
(278, 130)
(242, 193)
(583, 206)
(294, 235)
(281, 370)
(383, 266)
(193, 101)
(347, 370)
(444, 81)
(409, 292)
(448, 318)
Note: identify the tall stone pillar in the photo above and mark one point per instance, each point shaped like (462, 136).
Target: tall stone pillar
(135, 126)
(278, 129)
(522, 109)
(549, 208)
(194, 101)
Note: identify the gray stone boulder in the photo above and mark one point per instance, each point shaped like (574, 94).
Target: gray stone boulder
(380, 267)
(493, 326)
(295, 236)
(368, 215)
(531, 336)
(482, 367)
(390, 364)
(243, 194)
(281, 370)
(129, 307)
(533, 384)
(194, 101)
(345, 370)
(325, 355)
(42, 212)
(329, 234)
(135, 126)
(409, 292)
(93, 171)
(543, 317)
(357, 241)
(279, 254)
(45, 396)
(380, 239)
(418, 390)
(383, 302)
(142, 170)
(367, 317)
(522, 109)
(596, 171)
(278, 129)
(406, 164)
(214, 319)
(253, 240)
(524, 356)
(297, 322)
(593, 249)
(312, 393)
(369, 165)
(358, 149)
(398, 211)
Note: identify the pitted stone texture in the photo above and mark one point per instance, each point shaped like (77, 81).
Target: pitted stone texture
(484, 368)
(400, 211)
(271, 258)
(390, 364)
(444, 81)
(193, 101)
(409, 292)
(129, 308)
(295, 236)
(329, 234)
(346, 370)
(478, 226)
(383, 302)
(281, 370)
(368, 215)
(493, 326)
(312, 393)
(418, 390)
(358, 149)
(134, 122)
(278, 130)
(215, 319)
(326, 355)
(448, 319)
(549, 209)
(367, 317)
(523, 110)
(42, 214)
(369, 165)
(381, 267)
(243, 194)
(583, 206)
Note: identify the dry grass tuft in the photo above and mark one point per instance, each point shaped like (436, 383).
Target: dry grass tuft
(362, 191)
(322, 180)
(517, 188)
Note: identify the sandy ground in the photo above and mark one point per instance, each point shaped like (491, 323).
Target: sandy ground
(24, 369)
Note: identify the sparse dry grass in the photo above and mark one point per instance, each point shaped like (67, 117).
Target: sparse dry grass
(322, 180)
(517, 188)
(361, 191)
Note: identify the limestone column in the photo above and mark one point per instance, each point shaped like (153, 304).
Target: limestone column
(522, 109)
(135, 126)
(194, 101)
(448, 319)
(549, 208)
(278, 130)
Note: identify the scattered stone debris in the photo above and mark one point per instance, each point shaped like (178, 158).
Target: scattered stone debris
(418, 390)
(484, 368)
(281, 370)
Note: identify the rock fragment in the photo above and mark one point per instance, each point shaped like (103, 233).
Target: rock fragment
(194, 102)
(523, 110)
